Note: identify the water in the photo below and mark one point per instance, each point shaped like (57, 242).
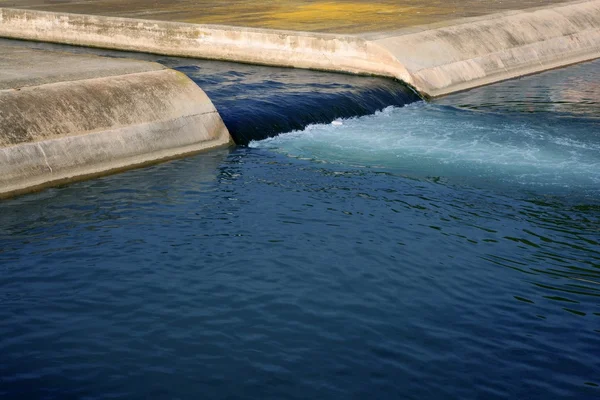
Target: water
(440, 251)
(256, 102)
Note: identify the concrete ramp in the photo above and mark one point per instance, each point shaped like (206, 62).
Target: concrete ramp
(65, 117)
(480, 51)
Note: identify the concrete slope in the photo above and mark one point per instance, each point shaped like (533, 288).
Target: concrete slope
(498, 47)
(22, 67)
(344, 53)
(74, 122)
(434, 60)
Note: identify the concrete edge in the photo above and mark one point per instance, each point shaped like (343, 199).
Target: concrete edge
(462, 21)
(68, 67)
(58, 141)
(459, 57)
(319, 51)
(515, 74)
(85, 173)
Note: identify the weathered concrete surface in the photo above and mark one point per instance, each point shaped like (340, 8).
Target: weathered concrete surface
(84, 116)
(22, 67)
(436, 60)
(269, 47)
(498, 47)
(325, 16)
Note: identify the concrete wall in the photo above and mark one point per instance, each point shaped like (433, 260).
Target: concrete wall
(72, 129)
(344, 53)
(435, 61)
(489, 49)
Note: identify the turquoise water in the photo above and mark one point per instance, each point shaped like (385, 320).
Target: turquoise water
(538, 133)
(447, 250)
(425, 140)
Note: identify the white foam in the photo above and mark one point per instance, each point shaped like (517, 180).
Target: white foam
(425, 139)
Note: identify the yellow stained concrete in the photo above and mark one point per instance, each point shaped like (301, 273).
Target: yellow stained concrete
(300, 15)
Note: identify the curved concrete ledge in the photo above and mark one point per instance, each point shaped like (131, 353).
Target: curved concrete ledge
(344, 53)
(69, 130)
(489, 49)
(435, 61)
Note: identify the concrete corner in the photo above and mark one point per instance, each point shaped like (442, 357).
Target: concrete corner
(64, 117)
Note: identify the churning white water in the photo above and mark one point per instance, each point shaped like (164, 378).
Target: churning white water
(428, 140)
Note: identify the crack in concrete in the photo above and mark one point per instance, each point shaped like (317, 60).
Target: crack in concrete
(45, 158)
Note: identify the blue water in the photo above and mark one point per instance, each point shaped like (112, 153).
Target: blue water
(448, 250)
(256, 103)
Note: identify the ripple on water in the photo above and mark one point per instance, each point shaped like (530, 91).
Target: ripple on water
(562, 93)
(424, 252)
(299, 279)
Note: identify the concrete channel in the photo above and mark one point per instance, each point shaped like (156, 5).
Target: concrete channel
(129, 113)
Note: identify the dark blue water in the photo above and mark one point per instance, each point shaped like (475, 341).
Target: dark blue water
(353, 259)
(256, 103)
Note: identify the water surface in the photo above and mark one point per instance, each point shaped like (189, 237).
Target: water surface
(440, 251)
